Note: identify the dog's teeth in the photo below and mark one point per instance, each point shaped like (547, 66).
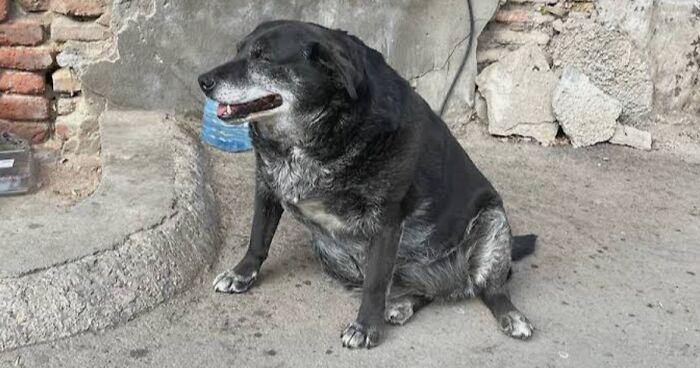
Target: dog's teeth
(228, 109)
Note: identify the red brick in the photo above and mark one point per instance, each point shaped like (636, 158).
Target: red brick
(78, 8)
(4, 9)
(25, 58)
(22, 82)
(512, 16)
(36, 132)
(34, 5)
(18, 107)
(21, 33)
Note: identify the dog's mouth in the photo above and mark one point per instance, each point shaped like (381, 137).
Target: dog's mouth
(246, 109)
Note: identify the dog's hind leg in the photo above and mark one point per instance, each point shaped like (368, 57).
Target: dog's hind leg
(399, 309)
(511, 321)
(490, 265)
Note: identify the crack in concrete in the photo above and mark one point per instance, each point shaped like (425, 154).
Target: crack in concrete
(478, 24)
(111, 248)
(445, 64)
(115, 246)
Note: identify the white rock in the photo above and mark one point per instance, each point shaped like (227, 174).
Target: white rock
(518, 92)
(69, 58)
(612, 62)
(480, 107)
(558, 25)
(633, 137)
(634, 17)
(586, 114)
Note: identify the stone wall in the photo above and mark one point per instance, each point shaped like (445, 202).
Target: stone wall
(664, 33)
(62, 60)
(40, 92)
(643, 54)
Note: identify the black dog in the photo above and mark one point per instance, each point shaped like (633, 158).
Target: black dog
(393, 203)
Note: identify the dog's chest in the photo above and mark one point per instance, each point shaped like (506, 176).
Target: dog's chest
(306, 187)
(309, 190)
(296, 176)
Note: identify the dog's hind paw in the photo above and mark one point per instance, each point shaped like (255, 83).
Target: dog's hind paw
(397, 313)
(231, 282)
(516, 325)
(355, 335)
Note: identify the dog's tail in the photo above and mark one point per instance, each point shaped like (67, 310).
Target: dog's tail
(523, 246)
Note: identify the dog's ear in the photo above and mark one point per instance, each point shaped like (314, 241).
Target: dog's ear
(339, 63)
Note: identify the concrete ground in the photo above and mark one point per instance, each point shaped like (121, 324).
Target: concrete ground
(615, 281)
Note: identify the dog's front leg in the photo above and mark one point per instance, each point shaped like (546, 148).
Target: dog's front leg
(266, 216)
(366, 330)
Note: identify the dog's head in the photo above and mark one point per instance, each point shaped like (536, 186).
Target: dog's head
(284, 75)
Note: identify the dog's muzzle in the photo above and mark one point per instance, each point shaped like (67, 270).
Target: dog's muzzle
(241, 110)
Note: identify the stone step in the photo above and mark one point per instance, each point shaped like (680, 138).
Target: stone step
(141, 238)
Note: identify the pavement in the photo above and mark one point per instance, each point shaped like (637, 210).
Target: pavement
(614, 281)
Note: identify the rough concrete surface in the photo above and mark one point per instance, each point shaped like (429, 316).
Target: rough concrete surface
(675, 50)
(613, 283)
(143, 235)
(518, 91)
(669, 32)
(612, 62)
(634, 17)
(631, 136)
(162, 45)
(83, 125)
(124, 197)
(586, 114)
(678, 134)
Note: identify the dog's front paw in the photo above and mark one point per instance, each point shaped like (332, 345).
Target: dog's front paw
(515, 324)
(356, 335)
(231, 282)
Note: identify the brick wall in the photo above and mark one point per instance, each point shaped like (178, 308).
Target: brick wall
(36, 87)
(518, 22)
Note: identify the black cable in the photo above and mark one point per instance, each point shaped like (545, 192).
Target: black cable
(464, 60)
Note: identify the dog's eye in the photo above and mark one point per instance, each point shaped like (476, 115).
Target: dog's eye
(257, 54)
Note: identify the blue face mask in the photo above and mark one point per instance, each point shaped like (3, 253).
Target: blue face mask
(219, 134)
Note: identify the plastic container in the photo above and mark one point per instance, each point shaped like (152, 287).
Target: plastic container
(17, 170)
(219, 134)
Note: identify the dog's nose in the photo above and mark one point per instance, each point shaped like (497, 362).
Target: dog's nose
(206, 82)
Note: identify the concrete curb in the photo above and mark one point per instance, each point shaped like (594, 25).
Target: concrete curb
(144, 269)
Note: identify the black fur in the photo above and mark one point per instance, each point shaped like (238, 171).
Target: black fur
(393, 203)
(523, 246)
